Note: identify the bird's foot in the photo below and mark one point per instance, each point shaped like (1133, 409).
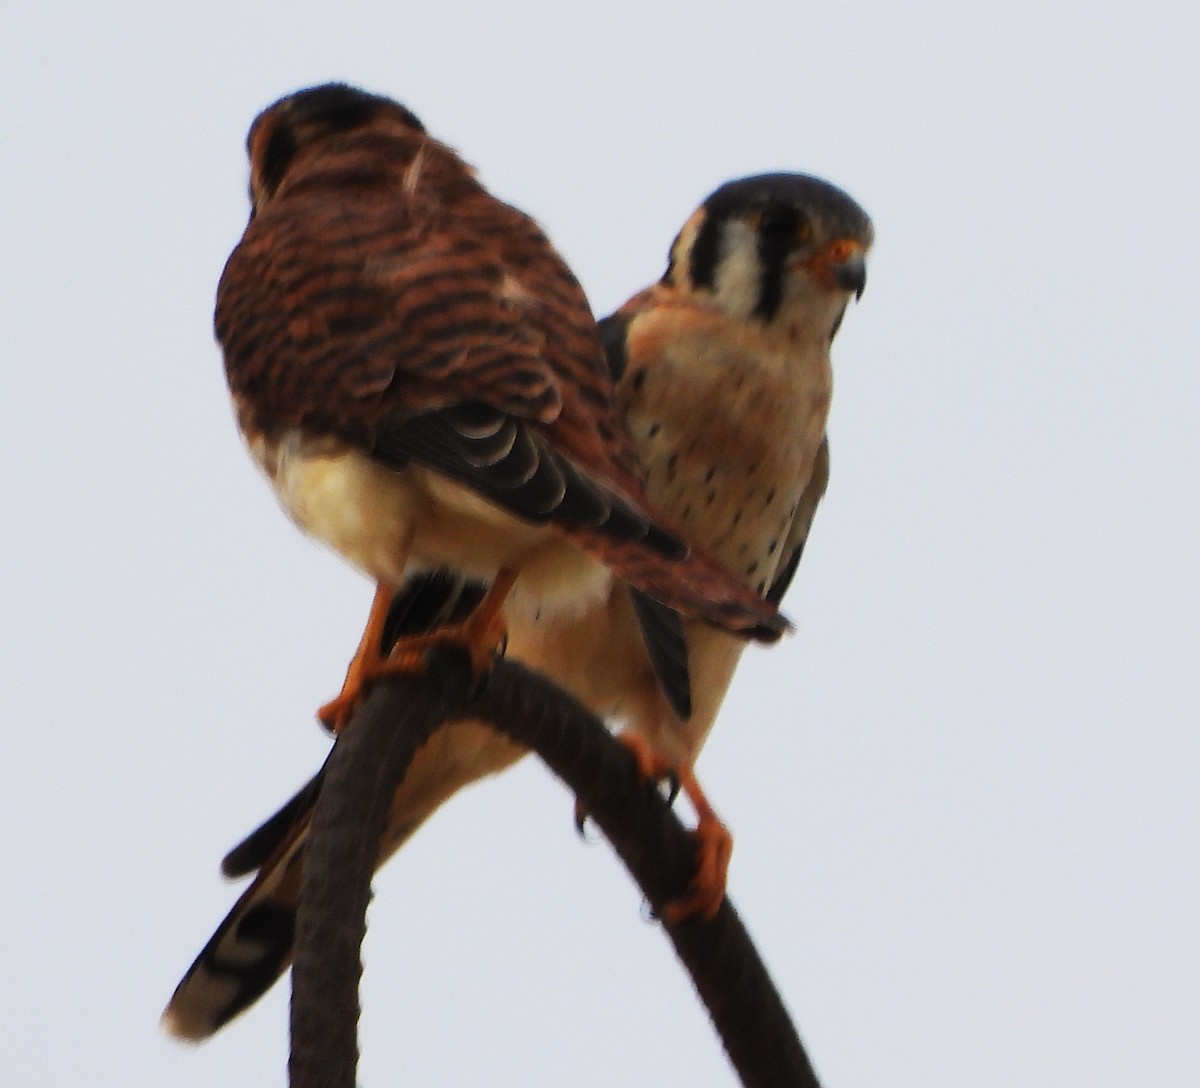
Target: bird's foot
(363, 672)
(714, 844)
(480, 639)
(481, 635)
(714, 849)
(367, 658)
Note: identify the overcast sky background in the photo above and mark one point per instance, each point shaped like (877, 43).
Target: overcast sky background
(964, 795)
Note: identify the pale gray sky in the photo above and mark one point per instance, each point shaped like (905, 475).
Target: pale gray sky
(964, 794)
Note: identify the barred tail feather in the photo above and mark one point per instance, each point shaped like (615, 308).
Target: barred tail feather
(251, 948)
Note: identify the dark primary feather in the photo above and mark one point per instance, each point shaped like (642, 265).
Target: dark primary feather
(613, 331)
(661, 628)
(806, 511)
(509, 462)
(253, 851)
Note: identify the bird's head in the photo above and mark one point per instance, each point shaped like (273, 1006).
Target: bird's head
(307, 118)
(779, 249)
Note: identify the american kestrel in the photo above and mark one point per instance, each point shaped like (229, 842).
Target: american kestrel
(724, 379)
(420, 377)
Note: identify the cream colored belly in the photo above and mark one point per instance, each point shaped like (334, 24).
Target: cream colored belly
(391, 523)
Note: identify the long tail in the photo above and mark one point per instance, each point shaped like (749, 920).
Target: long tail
(252, 947)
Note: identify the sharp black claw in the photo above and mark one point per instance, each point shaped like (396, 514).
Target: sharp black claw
(672, 781)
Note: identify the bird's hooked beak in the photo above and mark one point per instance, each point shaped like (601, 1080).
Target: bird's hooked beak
(842, 264)
(851, 274)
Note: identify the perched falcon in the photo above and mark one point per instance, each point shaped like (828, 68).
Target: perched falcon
(420, 376)
(724, 379)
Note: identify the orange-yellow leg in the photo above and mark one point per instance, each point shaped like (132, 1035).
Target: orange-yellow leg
(714, 844)
(364, 666)
(480, 634)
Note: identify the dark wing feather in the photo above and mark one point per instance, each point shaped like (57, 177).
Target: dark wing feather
(806, 511)
(256, 848)
(450, 335)
(662, 634)
(614, 331)
(511, 463)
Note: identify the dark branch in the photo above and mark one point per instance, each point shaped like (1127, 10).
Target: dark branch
(367, 763)
(362, 772)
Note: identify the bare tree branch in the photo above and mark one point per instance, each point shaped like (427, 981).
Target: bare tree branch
(368, 762)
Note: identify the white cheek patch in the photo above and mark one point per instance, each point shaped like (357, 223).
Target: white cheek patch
(739, 274)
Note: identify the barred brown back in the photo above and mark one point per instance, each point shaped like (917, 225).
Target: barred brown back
(378, 283)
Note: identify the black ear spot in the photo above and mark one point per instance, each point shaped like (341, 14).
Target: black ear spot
(779, 225)
(706, 250)
(613, 330)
